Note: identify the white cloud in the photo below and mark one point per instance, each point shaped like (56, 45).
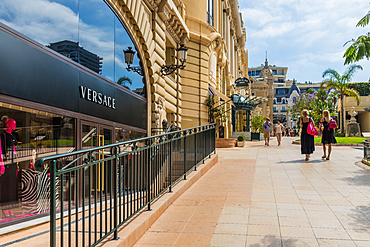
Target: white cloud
(307, 36)
(51, 21)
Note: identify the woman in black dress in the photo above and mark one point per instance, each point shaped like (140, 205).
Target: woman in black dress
(328, 136)
(307, 141)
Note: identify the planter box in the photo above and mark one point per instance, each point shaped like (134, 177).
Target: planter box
(225, 143)
(240, 144)
(255, 136)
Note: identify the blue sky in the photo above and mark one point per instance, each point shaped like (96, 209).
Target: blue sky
(307, 36)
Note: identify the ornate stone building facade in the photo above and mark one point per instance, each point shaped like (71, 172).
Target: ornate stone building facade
(213, 32)
(263, 87)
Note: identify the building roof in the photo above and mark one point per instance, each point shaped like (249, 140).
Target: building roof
(293, 88)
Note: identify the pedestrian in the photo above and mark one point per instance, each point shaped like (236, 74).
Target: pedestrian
(266, 128)
(307, 140)
(327, 136)
(278, 130)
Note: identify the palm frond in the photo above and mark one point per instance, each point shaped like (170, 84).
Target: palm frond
(352, 93)
(364, 20)
(350, 71)
(358, 50)
(352, 40)
(330, 83)
(332, 74)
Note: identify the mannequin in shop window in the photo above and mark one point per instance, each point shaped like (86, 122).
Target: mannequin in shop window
(8, 169)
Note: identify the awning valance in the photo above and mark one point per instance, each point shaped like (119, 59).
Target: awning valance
(220, 95)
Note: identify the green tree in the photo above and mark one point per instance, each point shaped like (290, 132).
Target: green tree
(341, 84)
(215, 112)
(123, 80)
(323, 100)
(301, 102)
(360, 47)
(257, 122)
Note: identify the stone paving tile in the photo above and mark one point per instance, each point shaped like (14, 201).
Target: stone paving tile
(269, 196)
(267, 240)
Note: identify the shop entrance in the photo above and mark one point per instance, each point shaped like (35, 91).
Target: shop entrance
(96, 135)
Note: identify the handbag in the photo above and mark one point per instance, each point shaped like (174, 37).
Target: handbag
(311, 129)
(332, 124)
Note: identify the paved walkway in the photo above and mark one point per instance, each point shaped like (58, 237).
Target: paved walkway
(269, 196)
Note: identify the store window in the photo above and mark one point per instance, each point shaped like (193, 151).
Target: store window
(26, 135)
(86, 31)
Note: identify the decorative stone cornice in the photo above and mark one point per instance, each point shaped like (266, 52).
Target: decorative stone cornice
(152, 4)
(175, 25)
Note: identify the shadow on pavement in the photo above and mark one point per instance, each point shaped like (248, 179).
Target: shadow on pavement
(302, 161)
(273, 241)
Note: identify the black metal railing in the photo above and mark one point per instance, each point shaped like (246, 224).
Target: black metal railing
(94, 191)
(366, 149)
(159, 131)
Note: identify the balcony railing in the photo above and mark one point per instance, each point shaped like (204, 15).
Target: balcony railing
(95, 191)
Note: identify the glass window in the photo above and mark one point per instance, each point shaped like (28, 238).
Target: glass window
(210, 20)
(85, 31)
(35, 134)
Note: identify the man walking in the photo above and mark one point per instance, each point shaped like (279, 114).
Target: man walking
(266, 128)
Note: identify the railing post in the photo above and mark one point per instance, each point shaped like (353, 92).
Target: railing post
(149, 170)
(195, 148)
(53, 210)
(116, 197)
(170, 188)
(214, 138)
(184, 155)
(204, 144)
(210, 142)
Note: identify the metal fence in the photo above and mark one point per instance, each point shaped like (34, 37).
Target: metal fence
(94, 191)
(366, 149)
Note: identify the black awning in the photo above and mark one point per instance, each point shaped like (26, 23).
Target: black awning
(246, 102)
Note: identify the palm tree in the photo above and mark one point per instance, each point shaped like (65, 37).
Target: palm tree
(123, 80)
(361, 46)
(341, 84)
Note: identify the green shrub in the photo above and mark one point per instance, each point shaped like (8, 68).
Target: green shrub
(340, 134)
(257, 122)
(241, 138)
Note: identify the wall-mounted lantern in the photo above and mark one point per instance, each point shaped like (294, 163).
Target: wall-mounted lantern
(182, 55)
(129, 58)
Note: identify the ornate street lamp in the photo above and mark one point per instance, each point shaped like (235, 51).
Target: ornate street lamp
(129, 58)
(182, 55)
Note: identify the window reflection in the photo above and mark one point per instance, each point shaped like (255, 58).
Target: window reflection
(87, 31)
(36, 134)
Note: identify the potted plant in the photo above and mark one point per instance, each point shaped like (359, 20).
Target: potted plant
(256, 124)
(241, 141)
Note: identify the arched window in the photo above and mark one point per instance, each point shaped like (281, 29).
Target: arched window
(213, 67)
